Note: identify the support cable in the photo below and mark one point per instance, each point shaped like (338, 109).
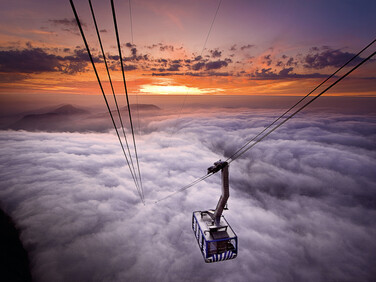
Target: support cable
(100, 85)
(112, 87)
(126, 93)
(211, 26)
(301, 108)
(297, 103)
(185, 187)
(202, 51)
(131, 24)
(130, 19)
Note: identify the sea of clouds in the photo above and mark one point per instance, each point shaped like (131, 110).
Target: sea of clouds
(302, 202)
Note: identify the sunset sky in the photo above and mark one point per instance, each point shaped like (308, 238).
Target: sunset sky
(255, 47)
(303, 201)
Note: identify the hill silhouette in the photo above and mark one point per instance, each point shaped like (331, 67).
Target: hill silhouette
(53, 120)
(142, 107)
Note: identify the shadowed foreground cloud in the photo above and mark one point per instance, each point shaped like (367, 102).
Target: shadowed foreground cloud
(303, 203)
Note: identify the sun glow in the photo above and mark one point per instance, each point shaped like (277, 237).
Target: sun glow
(176, 90)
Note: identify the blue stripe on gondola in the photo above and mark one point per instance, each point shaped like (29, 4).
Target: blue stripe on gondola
(221, 257)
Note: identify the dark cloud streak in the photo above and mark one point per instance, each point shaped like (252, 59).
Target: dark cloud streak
(285, 73)
(28, 61)
(244, 47)
(38, 60)
(328, 58)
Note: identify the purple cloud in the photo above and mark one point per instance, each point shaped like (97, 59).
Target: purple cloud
(328, 58)
(216, 65)
(248, 46)
(285, 73)
(215, 53)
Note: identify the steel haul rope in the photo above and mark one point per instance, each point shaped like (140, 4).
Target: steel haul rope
(102, 90)
(131, 24)
(126, 93)
(301, 100)
(185, 187)
(112, 87)
(202, 51)
(301, 108)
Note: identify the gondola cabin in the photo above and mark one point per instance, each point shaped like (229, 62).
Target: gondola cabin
(215, 237)
(216, 242)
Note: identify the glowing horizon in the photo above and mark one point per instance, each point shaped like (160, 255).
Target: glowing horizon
(176, 90)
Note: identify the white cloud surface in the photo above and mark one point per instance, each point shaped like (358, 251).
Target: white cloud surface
(303, 202)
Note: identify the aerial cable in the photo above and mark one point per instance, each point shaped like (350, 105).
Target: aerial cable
(202, 51)
(126, 91)
(297, 103)
(131, 24)
(130, 19)
(112, 87)
(211, 26)
(101, 87)
(301, 108)
(137, 108)
(245, 149)
(185, 187)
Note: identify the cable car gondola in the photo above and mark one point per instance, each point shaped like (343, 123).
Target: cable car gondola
(215, 237)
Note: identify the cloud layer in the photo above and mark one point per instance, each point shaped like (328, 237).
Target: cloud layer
(302, 203)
